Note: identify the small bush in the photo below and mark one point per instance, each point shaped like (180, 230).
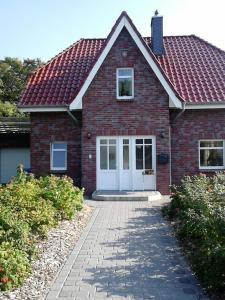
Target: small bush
(22, 195)
(198, 207)
(29, 207)
(14, 266)
(64, 196)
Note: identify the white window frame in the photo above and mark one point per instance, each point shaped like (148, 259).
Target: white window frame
(107, 144)
(199, 156)
(117, 83)
(52, 154)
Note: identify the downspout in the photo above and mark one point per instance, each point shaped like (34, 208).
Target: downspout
(171, 125)
(180, 113)
(76, 122)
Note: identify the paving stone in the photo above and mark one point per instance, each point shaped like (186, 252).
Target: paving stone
(127, 252)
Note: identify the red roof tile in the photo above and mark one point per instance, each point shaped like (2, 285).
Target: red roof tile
(194, 68)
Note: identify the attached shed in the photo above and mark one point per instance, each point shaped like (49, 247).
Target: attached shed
(14, 146)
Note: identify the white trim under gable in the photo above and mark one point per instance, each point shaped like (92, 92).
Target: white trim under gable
(124, 22)
(42, 109)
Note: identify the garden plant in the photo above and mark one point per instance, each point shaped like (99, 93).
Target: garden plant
(29, 207)
(197, 209)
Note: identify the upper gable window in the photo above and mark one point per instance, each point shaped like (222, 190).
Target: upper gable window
(125, 83)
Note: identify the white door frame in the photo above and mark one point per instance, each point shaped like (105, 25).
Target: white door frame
(119, 157)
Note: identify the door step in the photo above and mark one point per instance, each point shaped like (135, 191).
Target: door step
(126, 195)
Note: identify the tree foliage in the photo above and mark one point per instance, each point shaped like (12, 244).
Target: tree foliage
(13, 77)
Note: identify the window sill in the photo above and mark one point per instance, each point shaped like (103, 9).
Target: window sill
(58, 171)
(125, 99)
(211, 170)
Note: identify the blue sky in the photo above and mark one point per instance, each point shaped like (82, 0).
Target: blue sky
(42, 28)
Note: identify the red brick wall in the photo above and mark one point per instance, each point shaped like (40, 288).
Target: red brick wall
(187, 130)
(50, 127)
(147, 114)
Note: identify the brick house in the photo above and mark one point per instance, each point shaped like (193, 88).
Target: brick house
(129, 112)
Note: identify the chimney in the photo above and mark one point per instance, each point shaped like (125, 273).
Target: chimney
(157, 34)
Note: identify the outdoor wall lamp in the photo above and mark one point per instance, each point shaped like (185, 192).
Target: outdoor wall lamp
(162, 135)
(89, 135)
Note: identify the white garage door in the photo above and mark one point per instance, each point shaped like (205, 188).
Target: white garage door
(10, 159)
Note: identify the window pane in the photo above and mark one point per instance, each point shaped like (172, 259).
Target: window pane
(126, 157)
(60, 146)
(139, 141)
(125, 72)
(112, 142)
(103, 142)
(148, 141)
(112, 157)
(59, 159)
(139, 157)
(125, 87)
(103, 158)
(211, 144)
(126, 141)
(148, 157)
(211, 157)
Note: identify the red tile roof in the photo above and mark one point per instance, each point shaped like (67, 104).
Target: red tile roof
(194, 68)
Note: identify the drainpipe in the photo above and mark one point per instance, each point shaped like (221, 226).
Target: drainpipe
(76, 122)
(171, 125)
(180, 113)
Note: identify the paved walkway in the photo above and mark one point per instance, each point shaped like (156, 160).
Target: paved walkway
(126, 252)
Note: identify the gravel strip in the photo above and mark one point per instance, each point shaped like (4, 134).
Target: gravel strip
(53, 252)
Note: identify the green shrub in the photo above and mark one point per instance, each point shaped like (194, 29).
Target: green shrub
(22, 195)
(14, 230)
(29, 207)
(198, 207)
(64, 196)
(14, 266)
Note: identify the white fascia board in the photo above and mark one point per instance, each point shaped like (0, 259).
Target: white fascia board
(205, 106)
(42, 109)
(177, 103)
(77, 102)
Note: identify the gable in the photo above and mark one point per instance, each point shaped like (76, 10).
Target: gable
(191, 67)
(125, 22)
(103, 87)
(101, 96)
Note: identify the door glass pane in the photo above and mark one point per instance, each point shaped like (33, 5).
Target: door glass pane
(139, 141)
(126, 141)
(112, 157)
(148, 157)
(112, 142)
(103, 158)
(148, 141)
(139, 157)
(126, 157)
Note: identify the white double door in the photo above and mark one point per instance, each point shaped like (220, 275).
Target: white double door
(126, 163)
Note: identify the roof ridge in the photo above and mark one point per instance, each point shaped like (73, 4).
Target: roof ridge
(208, 43)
